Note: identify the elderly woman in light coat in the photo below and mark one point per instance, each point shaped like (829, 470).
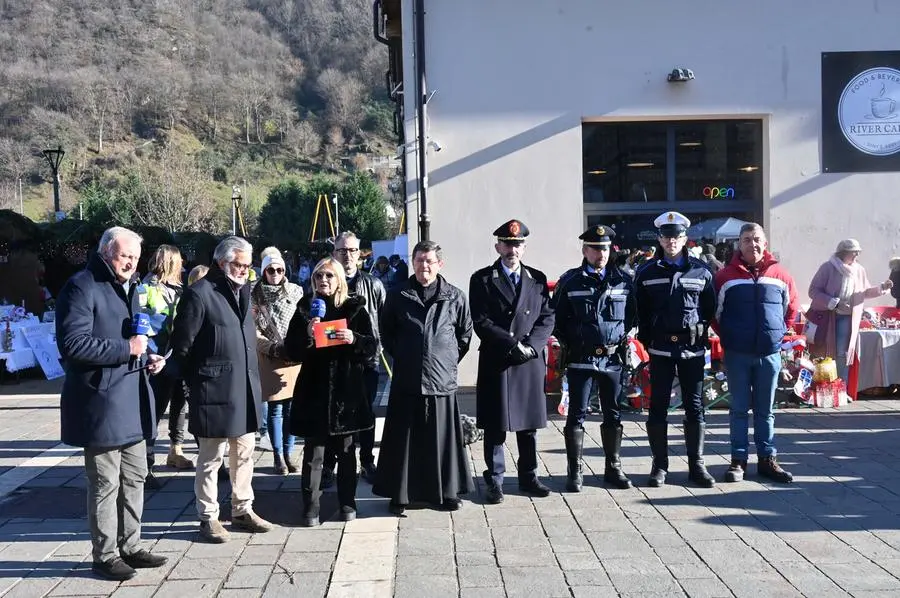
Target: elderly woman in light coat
(274, 302)
(838, 291)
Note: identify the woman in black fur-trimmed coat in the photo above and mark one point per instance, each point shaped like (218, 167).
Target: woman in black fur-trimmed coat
(330, 399)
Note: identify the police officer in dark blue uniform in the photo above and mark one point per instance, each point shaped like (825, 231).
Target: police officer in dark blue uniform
(511, 313)
(676, 302)
(595, 309)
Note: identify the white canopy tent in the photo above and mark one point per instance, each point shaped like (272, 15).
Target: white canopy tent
(718, 229)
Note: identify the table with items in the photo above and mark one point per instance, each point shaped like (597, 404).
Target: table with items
(878, 364)
(16, 351)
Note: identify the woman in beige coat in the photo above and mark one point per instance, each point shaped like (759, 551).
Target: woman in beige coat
(274, 302)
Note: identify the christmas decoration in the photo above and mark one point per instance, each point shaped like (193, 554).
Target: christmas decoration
(7, 339)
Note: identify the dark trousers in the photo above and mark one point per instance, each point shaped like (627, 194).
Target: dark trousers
(690, 375)
(495, 461)
(169, 393)
(608, 384)
(367, 437)
(314, 451)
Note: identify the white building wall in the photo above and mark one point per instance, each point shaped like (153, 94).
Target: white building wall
(515, 78)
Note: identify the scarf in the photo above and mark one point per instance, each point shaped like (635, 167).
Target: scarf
(275, 306)
(847, 272)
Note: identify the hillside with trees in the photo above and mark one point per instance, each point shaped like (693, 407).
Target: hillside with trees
(162, 105)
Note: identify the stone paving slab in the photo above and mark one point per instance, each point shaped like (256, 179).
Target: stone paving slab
(834, 532)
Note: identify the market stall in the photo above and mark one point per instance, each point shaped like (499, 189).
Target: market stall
(26, 342)
(878, 365)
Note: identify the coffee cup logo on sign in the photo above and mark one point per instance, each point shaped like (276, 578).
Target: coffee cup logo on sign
(868, 111)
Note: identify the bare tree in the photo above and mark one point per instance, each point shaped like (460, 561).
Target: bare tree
(172, 194)
(303, 139)
(343, 95)
(95, 91)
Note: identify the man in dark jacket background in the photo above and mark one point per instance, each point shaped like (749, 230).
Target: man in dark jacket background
(511, 314)
(107, 405)
(426, 327)
(214, 343)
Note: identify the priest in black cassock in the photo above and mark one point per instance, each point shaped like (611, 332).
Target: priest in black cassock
(426, 327)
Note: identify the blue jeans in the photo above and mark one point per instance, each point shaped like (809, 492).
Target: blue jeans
(751, 382)
(264, 424)
(279, 427)
(842, 325)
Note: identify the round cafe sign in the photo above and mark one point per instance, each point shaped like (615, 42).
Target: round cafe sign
(869, 111)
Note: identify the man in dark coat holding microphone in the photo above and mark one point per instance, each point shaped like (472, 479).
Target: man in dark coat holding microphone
(511, 314)
(107, 405)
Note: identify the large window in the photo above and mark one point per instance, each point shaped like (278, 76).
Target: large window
(703, 165)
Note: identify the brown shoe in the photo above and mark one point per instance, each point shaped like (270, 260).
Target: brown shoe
(736, 471)
(768, 467)
(214, 532)
(177, 460)
(250, 522)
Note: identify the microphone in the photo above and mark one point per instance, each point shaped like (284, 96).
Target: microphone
(140, 324)
(317, 308)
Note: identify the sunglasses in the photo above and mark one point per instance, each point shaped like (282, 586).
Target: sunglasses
(274, 270)
(323, 275)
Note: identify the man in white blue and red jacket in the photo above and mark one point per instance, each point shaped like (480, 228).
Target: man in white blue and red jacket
(757, 303)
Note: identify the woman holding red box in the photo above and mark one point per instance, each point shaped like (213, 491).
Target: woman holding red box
(330, 398)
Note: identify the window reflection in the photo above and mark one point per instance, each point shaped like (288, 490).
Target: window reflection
(713, 161)
(718, 160)
(624, 162)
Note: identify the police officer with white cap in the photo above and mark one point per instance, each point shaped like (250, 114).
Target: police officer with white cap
(676, 301)
(595, 309)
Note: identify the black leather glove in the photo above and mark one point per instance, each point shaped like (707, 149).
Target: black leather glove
(520, 353)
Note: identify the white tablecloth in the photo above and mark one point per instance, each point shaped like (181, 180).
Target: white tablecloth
(879, 358)
(22, 356)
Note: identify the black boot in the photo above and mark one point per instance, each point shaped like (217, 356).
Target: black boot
(310, 484)
(694, 433)
(657, 434)
(346, 481)
(612, 444)
(574, 438)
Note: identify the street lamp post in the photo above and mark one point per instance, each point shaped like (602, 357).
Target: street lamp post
(235, 202)
(337, 225)
(54, 159)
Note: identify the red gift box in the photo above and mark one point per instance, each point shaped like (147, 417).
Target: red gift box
(829, 394)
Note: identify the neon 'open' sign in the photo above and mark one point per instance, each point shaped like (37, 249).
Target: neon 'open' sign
(718, 192)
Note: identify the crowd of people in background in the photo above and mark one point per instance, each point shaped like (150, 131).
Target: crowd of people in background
(391, 271)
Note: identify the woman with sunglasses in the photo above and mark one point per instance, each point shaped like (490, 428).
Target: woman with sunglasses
(330, 399)
(274, 301)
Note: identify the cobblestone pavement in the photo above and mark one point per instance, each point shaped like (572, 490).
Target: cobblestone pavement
(834, 532)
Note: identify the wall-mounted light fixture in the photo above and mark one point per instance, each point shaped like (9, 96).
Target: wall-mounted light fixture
(639, 164)
(680, 75)
(749, 168)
